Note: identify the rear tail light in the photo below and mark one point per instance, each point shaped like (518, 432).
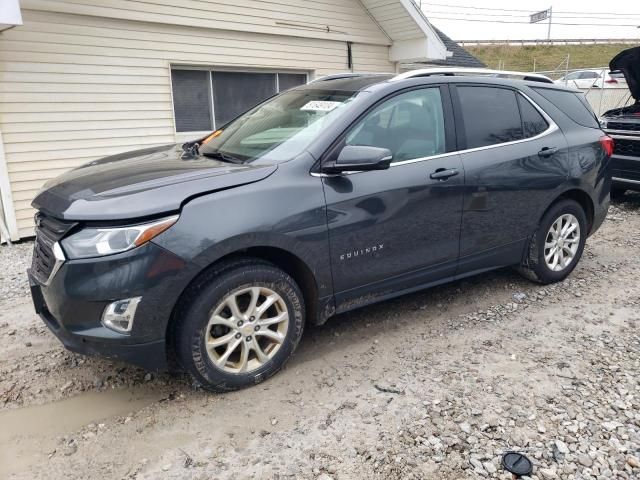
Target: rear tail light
(607, 144)
(611, 80)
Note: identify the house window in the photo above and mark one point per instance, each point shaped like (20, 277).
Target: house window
(204, 100)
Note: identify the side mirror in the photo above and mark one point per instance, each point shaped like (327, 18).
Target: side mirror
(353, 158)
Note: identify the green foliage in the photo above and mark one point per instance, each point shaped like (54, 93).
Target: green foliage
(547, 57)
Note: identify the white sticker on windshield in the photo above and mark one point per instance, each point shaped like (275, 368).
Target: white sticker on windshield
(320, 106)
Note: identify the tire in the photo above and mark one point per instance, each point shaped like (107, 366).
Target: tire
(535, 266)
(261, 348)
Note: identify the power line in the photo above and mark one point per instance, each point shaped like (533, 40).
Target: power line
(528, 12)
(570, 17)
(528, 23)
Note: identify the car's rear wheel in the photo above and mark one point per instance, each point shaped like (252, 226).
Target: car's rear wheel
(240, 326)
(557, 245)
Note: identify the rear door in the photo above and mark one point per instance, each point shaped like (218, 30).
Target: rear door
(513, 158)
(393, 229)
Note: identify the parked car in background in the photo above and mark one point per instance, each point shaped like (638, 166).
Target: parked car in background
(623, 125)
(603, 78)
(325, 198)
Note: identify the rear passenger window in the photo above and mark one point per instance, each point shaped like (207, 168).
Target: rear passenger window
(575, 107)
(532, 121)
(490, 115)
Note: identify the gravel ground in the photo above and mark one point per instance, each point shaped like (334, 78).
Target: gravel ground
(14, 261)
(434, 385)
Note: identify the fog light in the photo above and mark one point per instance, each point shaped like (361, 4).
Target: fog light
(119, 315)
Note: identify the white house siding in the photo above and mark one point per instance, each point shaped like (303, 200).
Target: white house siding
(74, 88)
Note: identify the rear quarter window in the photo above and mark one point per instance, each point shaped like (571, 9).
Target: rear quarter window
(572, 104)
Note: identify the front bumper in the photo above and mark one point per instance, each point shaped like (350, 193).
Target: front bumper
(72, 303)
(625, 171)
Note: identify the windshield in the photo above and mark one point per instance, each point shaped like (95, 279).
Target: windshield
(278, 129)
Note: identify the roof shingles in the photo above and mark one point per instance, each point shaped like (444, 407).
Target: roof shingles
(460, 57)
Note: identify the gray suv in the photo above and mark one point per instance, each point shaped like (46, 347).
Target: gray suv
(214, 255)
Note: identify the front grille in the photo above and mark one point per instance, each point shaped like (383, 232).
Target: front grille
(48, 231)
(629, 126)
(629, 148)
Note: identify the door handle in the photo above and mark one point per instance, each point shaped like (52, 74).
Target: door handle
(443, 174)
(547, 152)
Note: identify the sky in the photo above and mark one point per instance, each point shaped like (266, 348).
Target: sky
(486, 20)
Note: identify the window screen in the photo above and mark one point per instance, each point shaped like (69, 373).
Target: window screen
(490, 115)
(191, 100)
(233, 93)
(236, 92)
(532, 121)
(572, 104)
(411, 125)
(290, 80)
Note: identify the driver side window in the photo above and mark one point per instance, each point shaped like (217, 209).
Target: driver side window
(411, 125)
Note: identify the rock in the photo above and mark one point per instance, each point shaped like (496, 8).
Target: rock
(66, 386)
(148, 377)
(611, 426)
(465, 427)
(70, 448)
(547, 473)
(324, 476)
(165, 468)
(561, 447)
(274, 421)
(585, 460)
(28, 344)
(490, 467)
(519, 296)
(633, 462)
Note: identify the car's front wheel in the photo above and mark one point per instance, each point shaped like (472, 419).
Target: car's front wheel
(557, 245)
(240, 325)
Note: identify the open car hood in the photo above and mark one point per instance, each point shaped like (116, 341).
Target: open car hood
(628, 62)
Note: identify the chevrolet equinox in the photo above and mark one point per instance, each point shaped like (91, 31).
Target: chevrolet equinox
(214, 255)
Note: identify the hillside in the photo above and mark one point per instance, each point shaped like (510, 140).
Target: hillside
(546, 57)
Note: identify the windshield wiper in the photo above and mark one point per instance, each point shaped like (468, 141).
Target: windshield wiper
(225, 157)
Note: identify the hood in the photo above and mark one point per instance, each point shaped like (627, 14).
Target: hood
(628, 62)
(141, 183)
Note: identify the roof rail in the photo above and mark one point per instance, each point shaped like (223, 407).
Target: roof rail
(452, 71)
(337, 76)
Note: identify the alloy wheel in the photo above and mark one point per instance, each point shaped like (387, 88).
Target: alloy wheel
(246, 329)
(562, 242)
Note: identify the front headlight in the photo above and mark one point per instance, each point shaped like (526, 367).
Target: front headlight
(99, 241)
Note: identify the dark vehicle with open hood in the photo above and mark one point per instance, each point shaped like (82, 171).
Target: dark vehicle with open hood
(623, 125)
(214, 256)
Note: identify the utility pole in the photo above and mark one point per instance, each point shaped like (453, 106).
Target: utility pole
(549, 31)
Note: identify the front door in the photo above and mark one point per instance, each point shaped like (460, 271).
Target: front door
(395, 229)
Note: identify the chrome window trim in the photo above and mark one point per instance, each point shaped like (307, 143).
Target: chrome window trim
(60, 259)
(553, 127)
(550, 129)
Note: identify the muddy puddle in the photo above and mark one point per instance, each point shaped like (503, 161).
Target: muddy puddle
(28, 435)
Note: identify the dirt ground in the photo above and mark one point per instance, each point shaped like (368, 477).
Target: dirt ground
(432, 385)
